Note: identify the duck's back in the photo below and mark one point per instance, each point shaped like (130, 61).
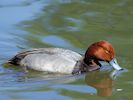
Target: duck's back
(48, 59)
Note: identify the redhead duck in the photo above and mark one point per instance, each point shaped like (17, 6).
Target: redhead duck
(59, 60)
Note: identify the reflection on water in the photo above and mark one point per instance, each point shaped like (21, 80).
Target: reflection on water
(101, 81)
(56, 40)
(71, 24)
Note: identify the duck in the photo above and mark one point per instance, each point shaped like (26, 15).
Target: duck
(65, 61)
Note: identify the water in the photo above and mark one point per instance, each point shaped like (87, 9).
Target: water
(72, 24)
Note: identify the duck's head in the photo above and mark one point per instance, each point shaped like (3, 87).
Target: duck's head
(101, 51)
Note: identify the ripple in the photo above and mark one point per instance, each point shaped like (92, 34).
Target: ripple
(56, 40)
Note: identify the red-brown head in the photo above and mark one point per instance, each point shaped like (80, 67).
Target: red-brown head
(101, 51)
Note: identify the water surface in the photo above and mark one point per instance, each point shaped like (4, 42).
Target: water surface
(71, 24)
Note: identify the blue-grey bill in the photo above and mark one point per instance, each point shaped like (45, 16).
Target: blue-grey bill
(115, 65)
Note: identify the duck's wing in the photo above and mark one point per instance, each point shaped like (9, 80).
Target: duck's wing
(21, 55)
(49, 51)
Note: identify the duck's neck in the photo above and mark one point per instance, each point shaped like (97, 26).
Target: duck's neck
(82, 67)
(91, 65)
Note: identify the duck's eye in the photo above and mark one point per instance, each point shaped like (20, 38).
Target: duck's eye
(107, 52)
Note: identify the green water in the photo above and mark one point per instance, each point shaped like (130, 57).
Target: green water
(71, 24)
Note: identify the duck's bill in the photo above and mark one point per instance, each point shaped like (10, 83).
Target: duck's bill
(115, 65)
